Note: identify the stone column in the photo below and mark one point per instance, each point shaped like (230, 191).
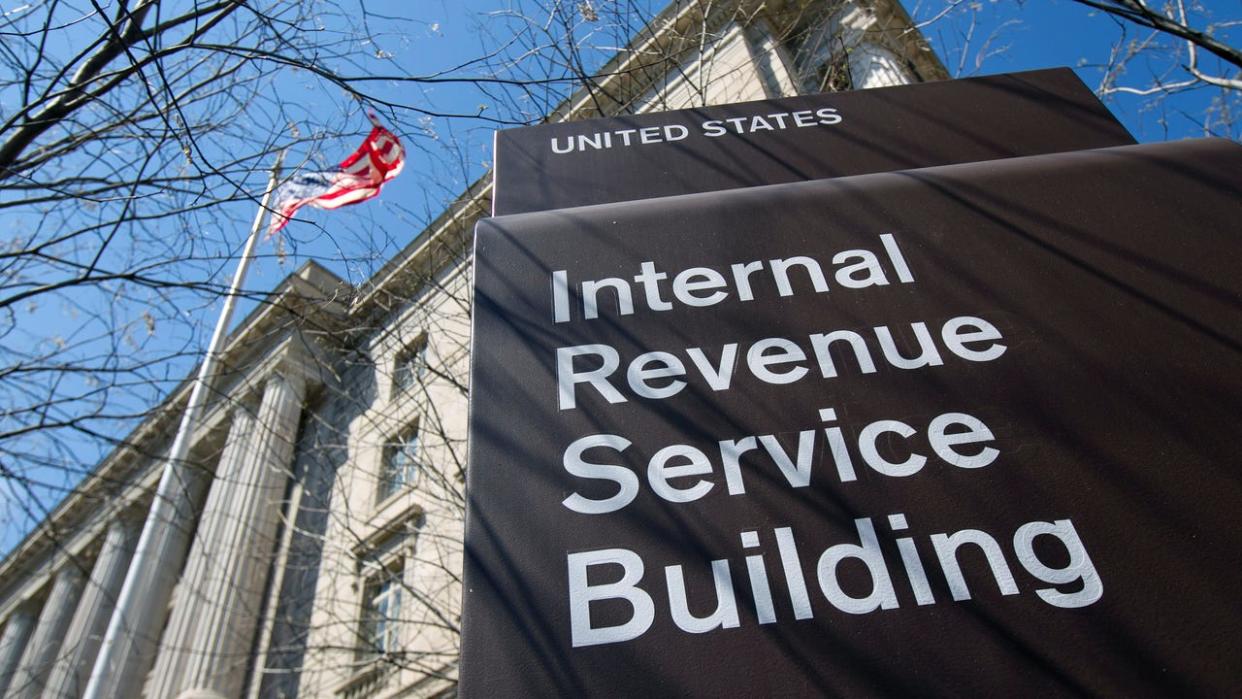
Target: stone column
(16, 632)
(131, 640)
(174, 646)
(67, 679)
(41, 650)
(212, 627)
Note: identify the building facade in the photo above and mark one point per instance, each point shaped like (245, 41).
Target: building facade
(316, 536)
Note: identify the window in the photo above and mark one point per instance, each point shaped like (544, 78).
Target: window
(400, 467)
(411, 366)
(834, 75)
(821, 53)
(379, 632)
(384, 559)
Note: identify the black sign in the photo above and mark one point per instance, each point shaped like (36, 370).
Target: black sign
(969, 430)
(801, 138)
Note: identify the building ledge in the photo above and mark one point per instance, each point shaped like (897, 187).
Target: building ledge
(390, 521)
(367, 681)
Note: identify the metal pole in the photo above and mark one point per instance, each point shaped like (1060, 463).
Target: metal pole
(149, 580)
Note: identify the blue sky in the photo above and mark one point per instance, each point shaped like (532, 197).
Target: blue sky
(1049, 33)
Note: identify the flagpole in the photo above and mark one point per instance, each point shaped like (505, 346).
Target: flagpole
(152, 570)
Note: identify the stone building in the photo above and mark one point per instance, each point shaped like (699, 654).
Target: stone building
(317, 537)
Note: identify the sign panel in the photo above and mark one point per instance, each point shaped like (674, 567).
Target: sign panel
(962, 431)
(599, 161)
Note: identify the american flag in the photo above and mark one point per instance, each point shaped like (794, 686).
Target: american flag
(358, 178)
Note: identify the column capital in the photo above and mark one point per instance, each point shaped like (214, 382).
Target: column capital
(292, 374)
(299, 366)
